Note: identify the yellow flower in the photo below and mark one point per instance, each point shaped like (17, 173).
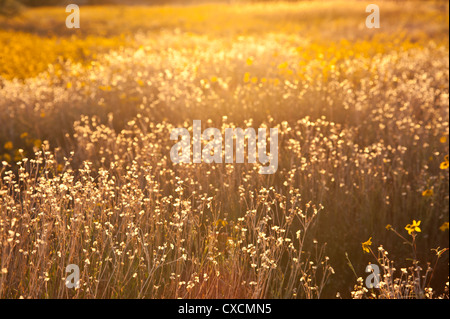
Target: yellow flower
(8, 145)
(105, 88)
(37, 143)
(414, 227)
(23, 135)
(254, 80)
(427, 193)
(443, 139)
(444, 226)
(247, 77)
(42, 114)
(249, 61)
(444, 164)
(18, 155)
(221, 222)
(388, 226)
(214, 79)
(283, 65)
(69, 85)
(366, 245)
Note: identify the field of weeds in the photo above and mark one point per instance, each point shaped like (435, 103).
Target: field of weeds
(87, 178)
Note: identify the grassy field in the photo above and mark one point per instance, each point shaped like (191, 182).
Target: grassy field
(86, 175)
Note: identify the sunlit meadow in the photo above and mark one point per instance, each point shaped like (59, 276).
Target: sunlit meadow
(86, 175)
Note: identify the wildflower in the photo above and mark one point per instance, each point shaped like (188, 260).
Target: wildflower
(427, 193)
(444, 226)
(106, 88)
(247, 77)
(366, 245)
(23, 135)
(389, 227)
(221, 222)
(414, 227)
(443, 139)
(445, 163)
(18, 156)
(283, 65)
(8, 145)
(214, 79)
(249, 61)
